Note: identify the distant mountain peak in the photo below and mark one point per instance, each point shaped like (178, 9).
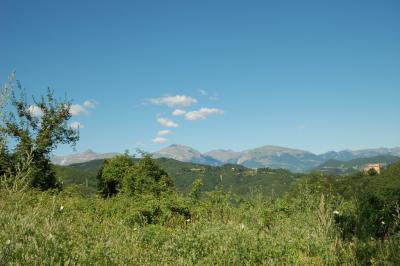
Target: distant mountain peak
(185, 154)
(178, 147)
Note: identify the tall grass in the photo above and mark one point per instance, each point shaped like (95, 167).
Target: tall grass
(220, 229)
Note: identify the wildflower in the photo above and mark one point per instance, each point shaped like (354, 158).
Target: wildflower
(242, 226)
(335, 212)
(61, 208)
(188, 220)
(8, 242)
(383, 222)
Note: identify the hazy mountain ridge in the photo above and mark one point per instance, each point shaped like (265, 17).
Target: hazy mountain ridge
(224, 156)
(295, 160)
(279, 157)
(271, 156)
(185, 154)
(85, 156)
(347, 155)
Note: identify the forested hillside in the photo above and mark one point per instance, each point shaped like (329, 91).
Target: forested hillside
(356, 165)
(235, 178)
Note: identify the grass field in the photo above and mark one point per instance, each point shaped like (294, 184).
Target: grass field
(314, 223)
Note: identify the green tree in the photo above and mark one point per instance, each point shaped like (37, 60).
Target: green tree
(37, 129)
(120, 174)
(112, 173)
(146, 177)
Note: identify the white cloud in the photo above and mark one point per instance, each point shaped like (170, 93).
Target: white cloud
(171, 101)
(166, 122)
(203, 113)
(89, 104)
(164, 132)
(76, 125)
(177, 112)
(77, 109)
(159, 140)
(35, 111)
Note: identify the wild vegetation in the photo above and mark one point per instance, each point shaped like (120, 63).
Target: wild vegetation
(138, 216)
(35, 130)
(235, 178)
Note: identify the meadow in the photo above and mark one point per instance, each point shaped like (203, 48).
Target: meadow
(316, 222)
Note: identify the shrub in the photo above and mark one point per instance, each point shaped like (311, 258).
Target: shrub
(120, 174)
(146, 177)
(112, 173)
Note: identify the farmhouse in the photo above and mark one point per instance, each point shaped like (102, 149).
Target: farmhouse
(375, 166)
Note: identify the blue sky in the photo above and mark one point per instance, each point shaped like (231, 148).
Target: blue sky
(315, 75)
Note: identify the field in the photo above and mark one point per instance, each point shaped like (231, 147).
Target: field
(313, 223)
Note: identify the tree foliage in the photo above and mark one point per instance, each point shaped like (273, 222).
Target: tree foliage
(120, 174)
(112, 173)
(368, 204)
(195, 189)
(36, 129)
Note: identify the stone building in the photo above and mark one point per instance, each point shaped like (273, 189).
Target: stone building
(375, 166)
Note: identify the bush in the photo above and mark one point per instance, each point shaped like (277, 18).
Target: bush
(146, 177)
(112, 174)
(120, 174)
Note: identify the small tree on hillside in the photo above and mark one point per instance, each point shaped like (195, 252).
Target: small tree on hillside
(37, 130)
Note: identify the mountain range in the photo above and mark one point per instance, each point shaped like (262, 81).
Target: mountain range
(269, 156)
(85, 156)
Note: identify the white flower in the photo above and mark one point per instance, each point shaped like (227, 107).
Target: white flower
(188, 220)
(242, 226)
(383, 222)
(8, 242)
(335, 212)
(61, 208)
